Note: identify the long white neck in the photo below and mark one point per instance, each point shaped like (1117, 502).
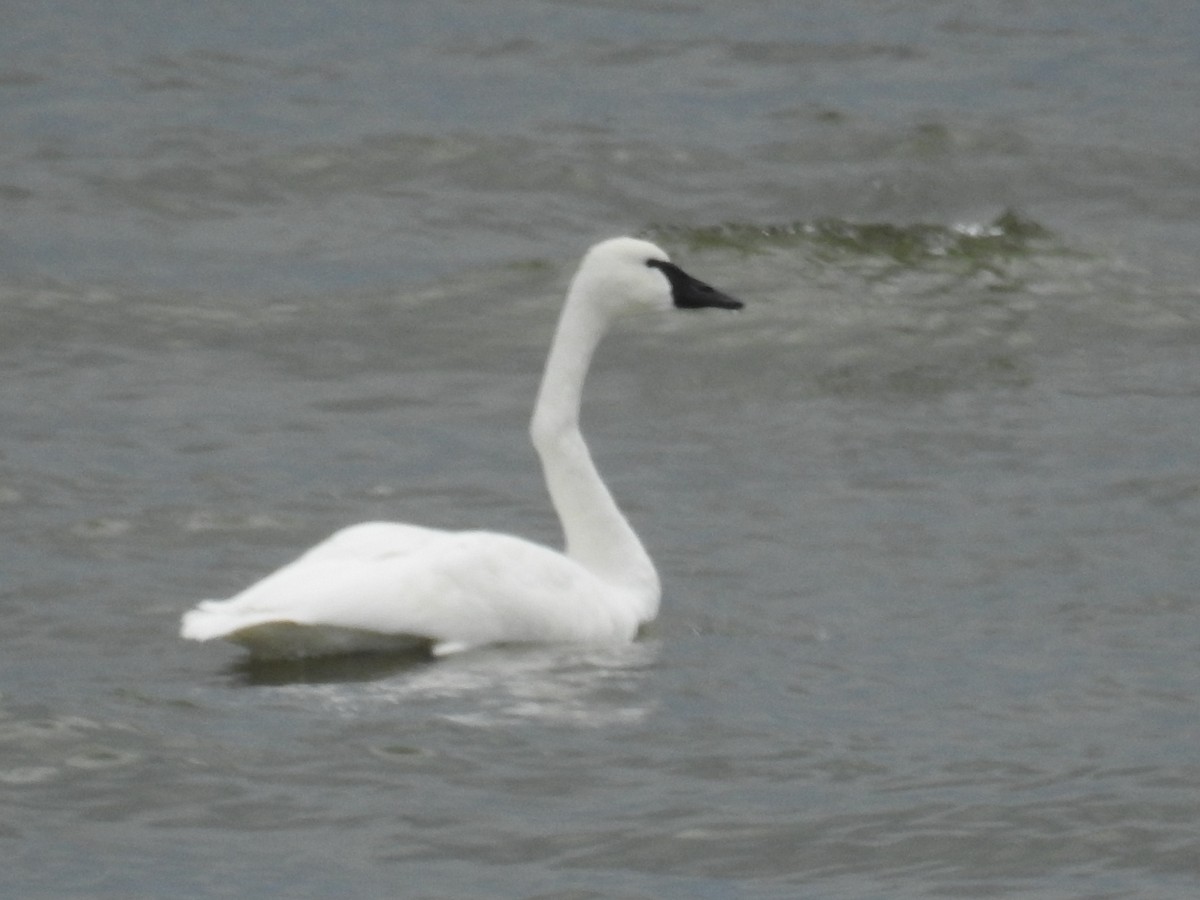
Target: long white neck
(597, 535)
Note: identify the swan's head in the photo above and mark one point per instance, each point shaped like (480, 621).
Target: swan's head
(626, 274)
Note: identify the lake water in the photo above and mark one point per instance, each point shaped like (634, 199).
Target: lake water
(926, 512)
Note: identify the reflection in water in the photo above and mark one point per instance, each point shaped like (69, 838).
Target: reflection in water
(359, 667)
(496, 685)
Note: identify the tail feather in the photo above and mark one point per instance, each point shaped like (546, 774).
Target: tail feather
(208, 621)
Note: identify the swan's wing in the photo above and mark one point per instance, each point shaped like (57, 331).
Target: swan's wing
(457, 590)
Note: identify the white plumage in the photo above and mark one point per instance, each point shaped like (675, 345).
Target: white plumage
(383, 585)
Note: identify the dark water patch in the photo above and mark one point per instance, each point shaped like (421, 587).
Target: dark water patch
(968, 248)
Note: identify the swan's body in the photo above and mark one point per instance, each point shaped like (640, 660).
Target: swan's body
(383, 584)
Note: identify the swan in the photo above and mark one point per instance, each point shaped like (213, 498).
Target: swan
(386, 585)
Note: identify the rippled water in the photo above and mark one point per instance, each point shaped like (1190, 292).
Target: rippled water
(926, 511)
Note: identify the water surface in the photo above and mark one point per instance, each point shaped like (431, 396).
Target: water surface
(925, 512)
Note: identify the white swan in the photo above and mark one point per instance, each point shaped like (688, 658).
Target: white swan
(382, 584)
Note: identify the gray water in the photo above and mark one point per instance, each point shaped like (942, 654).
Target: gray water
(925, 512)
